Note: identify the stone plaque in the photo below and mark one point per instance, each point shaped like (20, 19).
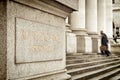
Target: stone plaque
(35, 41)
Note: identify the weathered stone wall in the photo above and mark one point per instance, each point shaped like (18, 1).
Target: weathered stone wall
(32, 40)
(35, 40)
(3, 38)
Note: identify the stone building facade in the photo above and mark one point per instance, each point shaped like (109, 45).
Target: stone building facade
(86, 23)
(34, 38)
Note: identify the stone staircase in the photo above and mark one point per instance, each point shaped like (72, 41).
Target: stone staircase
(93, 67)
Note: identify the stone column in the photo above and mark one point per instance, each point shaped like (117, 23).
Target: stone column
(91, 22)
(101, 15)
(101, 19)
(109, 27)
(77, 19)
(91, 16)
(77, 22)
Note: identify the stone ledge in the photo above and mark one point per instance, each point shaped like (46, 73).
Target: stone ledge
(70, 3)
(47, 74)
(50, 8)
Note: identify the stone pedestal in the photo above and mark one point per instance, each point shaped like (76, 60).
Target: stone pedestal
(95, 45)
(71, 43)
(99, 44)
(77, 22)
(32, 40)
(84, 44)
(95, 42)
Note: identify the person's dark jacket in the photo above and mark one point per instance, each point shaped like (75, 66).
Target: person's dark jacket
(104, 40)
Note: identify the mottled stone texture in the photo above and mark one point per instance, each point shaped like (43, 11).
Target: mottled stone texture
(35, 41)
(84, 44)
(95, 45)
(25, 22)
(71, 43)
(32, 40)
(3, 34)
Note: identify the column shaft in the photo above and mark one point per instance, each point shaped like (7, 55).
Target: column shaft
(77, 19)
(91, 16)
(101, 16)
(109, 18)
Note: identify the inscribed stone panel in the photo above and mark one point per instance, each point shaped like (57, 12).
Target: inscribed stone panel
(36, 41)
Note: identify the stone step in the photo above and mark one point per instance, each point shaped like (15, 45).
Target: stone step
(107, 75)
(91, 68)
(75, 54)
(86, 56)
(81, 56)
(73, 61)
(116, 77)
(91, 74)
(91, 63)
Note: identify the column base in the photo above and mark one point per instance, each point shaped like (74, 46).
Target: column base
(84, 44)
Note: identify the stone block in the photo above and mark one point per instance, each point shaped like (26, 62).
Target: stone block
(71, 43)
(32, 40)
(95, 45)
(88, 44)
(84, 44)
(36, 41)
